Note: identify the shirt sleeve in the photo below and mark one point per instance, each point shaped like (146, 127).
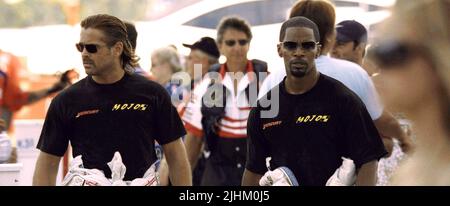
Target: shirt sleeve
(192, 116)
(54, 137)
(257, 151)
(168, 125)
(371, 98)
(362, 143)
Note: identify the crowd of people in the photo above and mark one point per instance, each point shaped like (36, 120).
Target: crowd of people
(340, 96)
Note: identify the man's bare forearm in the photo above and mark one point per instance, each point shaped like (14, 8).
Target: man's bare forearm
(194, 147)
(389, 127)
(180, 172)
(46, 170)
(367, 174)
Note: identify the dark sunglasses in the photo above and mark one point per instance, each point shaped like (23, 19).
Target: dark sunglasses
(232, 42)
(91, 48)
(293, 46)
(395, 53)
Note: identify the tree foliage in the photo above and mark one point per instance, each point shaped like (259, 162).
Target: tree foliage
(27, 13)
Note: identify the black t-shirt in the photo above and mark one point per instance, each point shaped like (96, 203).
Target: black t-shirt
(312, 131)
(98, 120)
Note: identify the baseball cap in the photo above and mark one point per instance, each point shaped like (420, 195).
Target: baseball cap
(351, 30)
(207, 45)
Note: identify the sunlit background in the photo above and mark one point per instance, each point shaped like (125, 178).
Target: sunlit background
(43, 32)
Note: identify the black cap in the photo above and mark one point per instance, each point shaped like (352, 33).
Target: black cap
(351, 30)
(207, 45)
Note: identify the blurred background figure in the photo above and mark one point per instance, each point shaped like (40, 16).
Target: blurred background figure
(165, 63)
(5, 144)
(2, 125)
(415, 73)
(351, 41)
(389, 164)
(352, 45)
(369, 63)
(222, 129)
(204, 53)
(12, 98)
(132, 37)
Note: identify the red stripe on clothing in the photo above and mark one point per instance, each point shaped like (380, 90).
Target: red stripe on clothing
(231, 127)
(233, 120)
(224, 134)
(193, 130)
(249, 68)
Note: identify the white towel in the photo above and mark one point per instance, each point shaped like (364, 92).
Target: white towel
(79, 176)
(282, 176)
(118, 170)
(344, 175)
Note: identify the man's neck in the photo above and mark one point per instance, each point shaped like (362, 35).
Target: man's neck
(359, 62)
(326, 48)
(111, 77)
(295, 85)
(356, 61)
(236, 66)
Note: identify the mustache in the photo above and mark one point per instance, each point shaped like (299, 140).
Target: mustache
(88, 61)
(298, 61)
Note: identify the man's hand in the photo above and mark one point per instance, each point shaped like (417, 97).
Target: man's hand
(388, 126)
(388, 145)
(67, 78)
(406, 142)
(407, 145)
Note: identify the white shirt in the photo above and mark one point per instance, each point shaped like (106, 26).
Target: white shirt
(237, 109)
(350, 74)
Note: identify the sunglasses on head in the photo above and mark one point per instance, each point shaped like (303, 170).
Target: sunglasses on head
(232, 42)
(293, 46)
(91, 48)
(394, 53)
